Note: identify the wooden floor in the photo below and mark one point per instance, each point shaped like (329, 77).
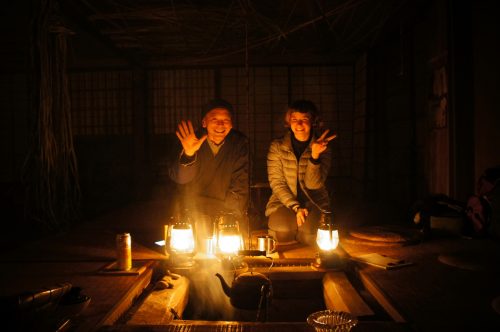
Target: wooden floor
(430, 295)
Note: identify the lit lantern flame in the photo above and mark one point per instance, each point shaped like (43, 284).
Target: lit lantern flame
(229, 239)
(229, 244)
(327, 239)
(182, 239)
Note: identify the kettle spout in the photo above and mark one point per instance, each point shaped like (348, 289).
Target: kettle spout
(225, 286)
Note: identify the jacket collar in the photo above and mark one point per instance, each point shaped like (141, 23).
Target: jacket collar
(287, 140)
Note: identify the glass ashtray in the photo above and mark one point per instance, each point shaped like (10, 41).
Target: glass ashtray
(332, 321)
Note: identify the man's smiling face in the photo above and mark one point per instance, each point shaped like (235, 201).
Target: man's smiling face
(218, 124)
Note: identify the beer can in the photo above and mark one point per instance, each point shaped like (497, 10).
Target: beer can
(123, 251)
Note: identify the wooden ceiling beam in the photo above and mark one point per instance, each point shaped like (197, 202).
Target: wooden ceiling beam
(72, 11)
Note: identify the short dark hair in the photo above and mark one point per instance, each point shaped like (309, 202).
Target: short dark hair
(217, 103)
(302, 106)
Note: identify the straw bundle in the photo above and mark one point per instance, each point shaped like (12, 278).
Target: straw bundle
(51, 172)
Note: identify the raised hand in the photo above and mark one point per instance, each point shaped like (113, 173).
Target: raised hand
(319, 146)
(185, 134)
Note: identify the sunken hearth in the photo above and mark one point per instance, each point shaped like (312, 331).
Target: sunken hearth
(295, 289)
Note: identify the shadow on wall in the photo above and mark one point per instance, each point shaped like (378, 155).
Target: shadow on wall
(161, 152)
(353, 206)
(106, 167)
(14, 226)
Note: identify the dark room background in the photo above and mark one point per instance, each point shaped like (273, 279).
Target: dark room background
(415, 109)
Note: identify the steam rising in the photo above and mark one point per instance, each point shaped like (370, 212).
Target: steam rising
(207, 299)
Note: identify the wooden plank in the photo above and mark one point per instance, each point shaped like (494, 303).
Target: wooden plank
(225, 326)
(128, 299)
(381, 297)
(339, 294)
(158, 305)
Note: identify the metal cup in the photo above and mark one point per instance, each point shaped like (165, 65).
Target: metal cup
(266, 243)
(209, 246)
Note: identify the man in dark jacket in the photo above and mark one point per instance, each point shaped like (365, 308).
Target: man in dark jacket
(212, 166)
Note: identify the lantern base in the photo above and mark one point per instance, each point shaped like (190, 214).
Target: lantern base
(181, 261)
(233, 263)
(328, 260)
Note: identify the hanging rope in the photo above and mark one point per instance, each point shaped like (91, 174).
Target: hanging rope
(247, 87)
(247, 118)
(51, 172)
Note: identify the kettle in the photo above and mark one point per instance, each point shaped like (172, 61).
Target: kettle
(248, 290)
